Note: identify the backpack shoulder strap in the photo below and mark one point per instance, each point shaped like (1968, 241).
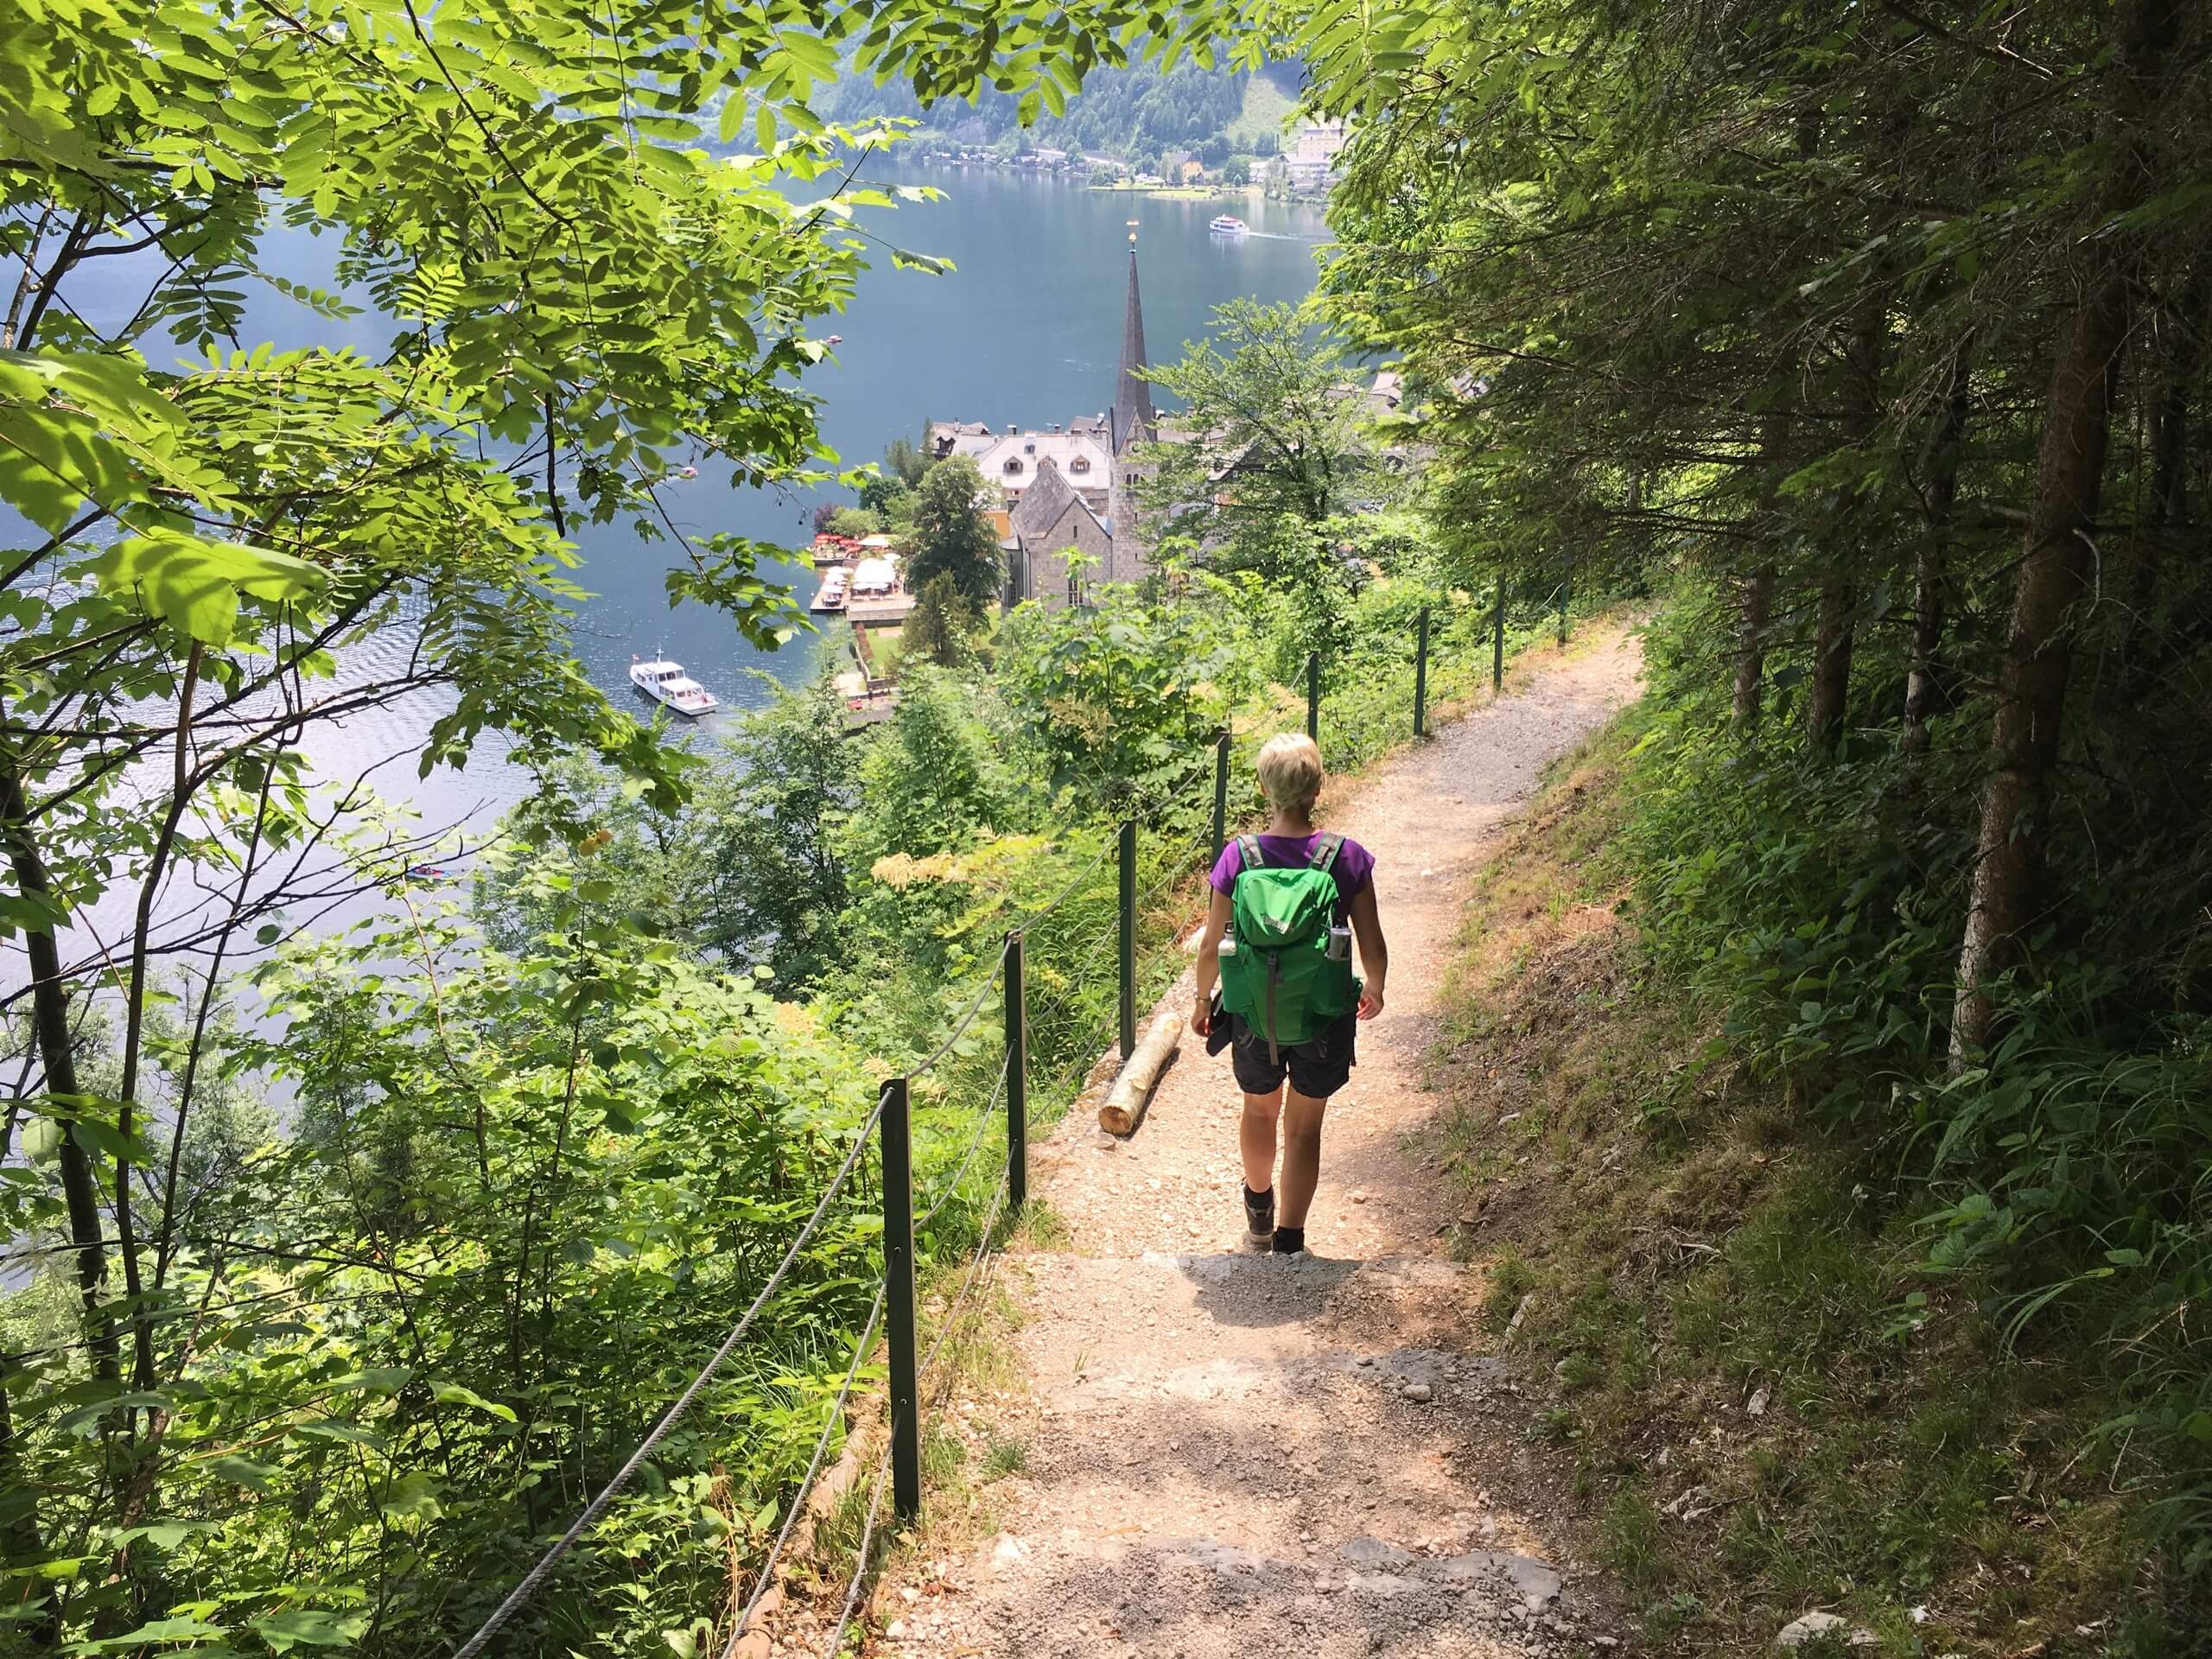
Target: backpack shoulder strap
(1324, 853)
(1248, 850)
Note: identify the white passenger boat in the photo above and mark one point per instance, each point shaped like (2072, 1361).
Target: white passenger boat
(667, 682)
(1229, 224)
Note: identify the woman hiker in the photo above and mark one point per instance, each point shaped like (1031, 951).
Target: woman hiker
(1290, 1003)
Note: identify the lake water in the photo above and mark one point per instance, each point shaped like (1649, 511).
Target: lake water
(1025, 329)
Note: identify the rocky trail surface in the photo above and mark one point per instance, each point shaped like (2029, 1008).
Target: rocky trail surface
(1234, 1454)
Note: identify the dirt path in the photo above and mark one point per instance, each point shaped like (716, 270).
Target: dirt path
(1231, 1454)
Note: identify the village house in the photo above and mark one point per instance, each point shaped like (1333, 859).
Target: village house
(1311, 157)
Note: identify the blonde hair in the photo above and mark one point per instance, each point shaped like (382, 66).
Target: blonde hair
(1290, 773)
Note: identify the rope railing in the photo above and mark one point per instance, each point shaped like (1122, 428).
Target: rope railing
(766, 1578)
(893, 1313)
(960, 1026)
(600, 1503)
(975, 1144)
(982, 1254)
(1075, 885)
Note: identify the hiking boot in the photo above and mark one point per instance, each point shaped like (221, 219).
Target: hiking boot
(1288, 1240)
(1260, 1218)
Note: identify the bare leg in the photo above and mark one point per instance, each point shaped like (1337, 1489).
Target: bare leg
(1301, 1156)
(1255, 1136)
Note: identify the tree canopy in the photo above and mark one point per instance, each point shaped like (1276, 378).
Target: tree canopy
(953, 535)
(1273, 441)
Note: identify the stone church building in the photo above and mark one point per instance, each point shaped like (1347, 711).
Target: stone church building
(1071, 486)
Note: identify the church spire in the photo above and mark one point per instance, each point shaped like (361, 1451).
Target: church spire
(1134, 420)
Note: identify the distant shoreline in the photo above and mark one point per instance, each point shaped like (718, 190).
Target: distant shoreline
(1078, 170)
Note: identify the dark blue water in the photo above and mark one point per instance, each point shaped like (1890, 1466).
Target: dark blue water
(1025, 328)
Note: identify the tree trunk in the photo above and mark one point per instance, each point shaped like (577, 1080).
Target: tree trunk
(58, 1055)
(2056, 565)
(1756, 611)
(1755, 603)
(1837, 631)
(2167, 508)
(1925, 691)
(1832, 641)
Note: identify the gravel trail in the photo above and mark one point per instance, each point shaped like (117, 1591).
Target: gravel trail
(1231, 1454)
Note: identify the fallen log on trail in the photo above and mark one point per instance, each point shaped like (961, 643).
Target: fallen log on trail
(1126, 1100)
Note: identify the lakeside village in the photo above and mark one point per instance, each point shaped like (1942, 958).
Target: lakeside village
(1070, 486)
(1301, 165)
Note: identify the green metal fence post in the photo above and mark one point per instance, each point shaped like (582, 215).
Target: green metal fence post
(898, 1300)
(1017, 1075)
(1420, 677)
(1497, 641)
(1129, 938)
(1220, 793)
(1313, 694)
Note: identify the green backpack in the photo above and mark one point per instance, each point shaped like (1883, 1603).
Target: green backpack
(1283, 976)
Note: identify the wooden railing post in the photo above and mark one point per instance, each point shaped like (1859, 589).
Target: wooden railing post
(1313, 694)
(898, 1300)
(1017, 1076)
(1497, 641)
(1420, 677)
(1128, 908)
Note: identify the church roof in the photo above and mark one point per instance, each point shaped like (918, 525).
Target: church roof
(1042, 503)
(1134, 419)
(1046, 505)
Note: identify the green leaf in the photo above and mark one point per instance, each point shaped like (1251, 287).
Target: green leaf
(194, 583)
(87, 1416)
(311, 1628)
(162, 1630)
(167, 1535)
(413, 1496)
(452, 1394)
(244, 1471)
(377, 1379)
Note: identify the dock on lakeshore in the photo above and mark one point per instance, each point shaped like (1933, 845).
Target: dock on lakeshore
(880, 610)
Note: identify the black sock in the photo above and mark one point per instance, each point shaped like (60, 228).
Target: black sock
(1290, 1241)
(1256, 1200)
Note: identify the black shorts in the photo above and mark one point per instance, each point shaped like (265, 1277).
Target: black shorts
(1317, 1068)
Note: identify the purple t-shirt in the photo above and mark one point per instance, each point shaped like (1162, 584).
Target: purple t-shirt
(1354, 869)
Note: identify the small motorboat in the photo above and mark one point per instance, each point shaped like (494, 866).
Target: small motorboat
(834, 592)
(666, 683)
(1229, 224)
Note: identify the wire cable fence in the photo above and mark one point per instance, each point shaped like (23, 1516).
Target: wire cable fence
(764, 1578)
(950, 1185)
(967, 1018)
(863, 1550)
(605, 1498)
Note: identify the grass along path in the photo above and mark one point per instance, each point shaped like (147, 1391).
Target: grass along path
(1213, 1454)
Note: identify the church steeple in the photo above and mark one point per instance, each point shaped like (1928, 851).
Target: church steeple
(1134, 419)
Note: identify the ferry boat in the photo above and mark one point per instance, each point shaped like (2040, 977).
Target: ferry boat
(1229, 224)
(667, 682)
(833, 593)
